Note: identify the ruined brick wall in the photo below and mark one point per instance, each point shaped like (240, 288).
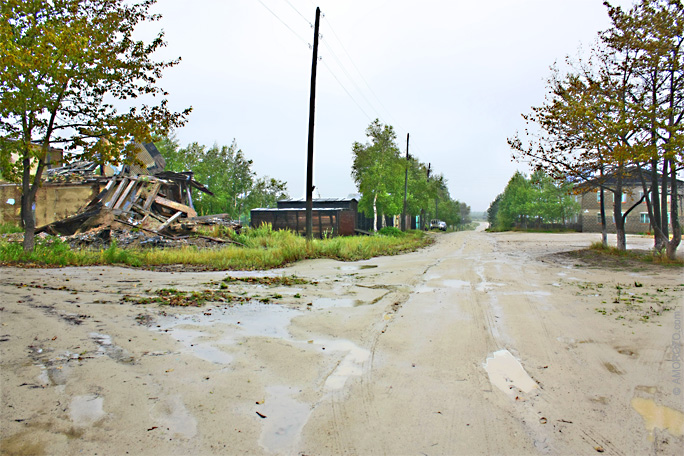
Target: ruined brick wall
(53, 201)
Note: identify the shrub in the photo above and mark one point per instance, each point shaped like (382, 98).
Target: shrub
(391, 231)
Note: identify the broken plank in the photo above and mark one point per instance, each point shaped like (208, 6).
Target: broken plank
(116, 194)
(151, 196)
(170, 221)
(176, 206)
(125, 193)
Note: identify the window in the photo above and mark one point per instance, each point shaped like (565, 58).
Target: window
(598, 195)
(624, 197)
(644, 218)
(598, 218)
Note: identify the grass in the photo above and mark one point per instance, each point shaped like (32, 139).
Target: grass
(263, 248)
(7, 228)
(646, 257)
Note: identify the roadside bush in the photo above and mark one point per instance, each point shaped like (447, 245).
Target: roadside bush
(391, 231)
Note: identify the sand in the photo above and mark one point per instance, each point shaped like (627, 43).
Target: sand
(479, 344)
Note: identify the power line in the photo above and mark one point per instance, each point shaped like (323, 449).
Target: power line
(284, 23)
(345, 89)
(351, 79)
(302, 16)
(332, 30)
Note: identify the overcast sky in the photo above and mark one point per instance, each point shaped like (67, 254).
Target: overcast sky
(455, 74)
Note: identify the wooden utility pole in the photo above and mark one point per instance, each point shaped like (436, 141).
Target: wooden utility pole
(312, 108)
(403, 212)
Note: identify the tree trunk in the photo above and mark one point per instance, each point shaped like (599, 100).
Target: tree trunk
(602, 206)
(375, 213)
(617, 214)
(673, 244)
(604, 227)
(28, 196)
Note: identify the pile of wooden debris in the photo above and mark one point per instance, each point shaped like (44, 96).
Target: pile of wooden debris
(146, 199)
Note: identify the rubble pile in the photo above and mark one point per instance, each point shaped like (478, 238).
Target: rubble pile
(152, 207)
(79, 171)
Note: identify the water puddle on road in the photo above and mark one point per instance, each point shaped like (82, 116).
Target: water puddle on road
(236, 322)
(203, 334)
(659, 416)
(456, 283)
(350, 366)
(506, 373)
(285, 419)
(170, 413)
(86, 410)
(326, 303)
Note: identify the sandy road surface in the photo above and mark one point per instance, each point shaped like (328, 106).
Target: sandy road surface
(480, 344)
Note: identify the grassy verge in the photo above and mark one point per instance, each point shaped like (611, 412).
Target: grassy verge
(263, 249)
(629, 255)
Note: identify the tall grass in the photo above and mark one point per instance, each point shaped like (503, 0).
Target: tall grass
(6, 228)
(263, 248)
(649, 257)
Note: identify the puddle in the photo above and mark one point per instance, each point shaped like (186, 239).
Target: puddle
(423, 289)
(659, 416)
(538, 294)
(326, 303)
(507, 374)
(350, 366)
(171, 414)
(484, 286)
(456, 283)
(236, 322)
(285, 419)
(106, 347)
(86, 410)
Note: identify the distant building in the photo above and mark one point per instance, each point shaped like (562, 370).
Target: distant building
(637, 220)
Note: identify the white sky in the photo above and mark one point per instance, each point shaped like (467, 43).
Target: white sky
(456, 75)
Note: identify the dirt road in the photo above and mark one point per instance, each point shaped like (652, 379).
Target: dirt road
(480, 344)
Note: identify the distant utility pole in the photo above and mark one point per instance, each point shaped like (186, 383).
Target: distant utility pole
(422, 211)
(403, 212)
(312, 108)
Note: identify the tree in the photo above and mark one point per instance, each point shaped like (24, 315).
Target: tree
(620, 111)
(539, 199)
(514, 207)
(378, 172)
(65, 68)
(493, 210)
(653, 31)
(227, 172)
(266, 192)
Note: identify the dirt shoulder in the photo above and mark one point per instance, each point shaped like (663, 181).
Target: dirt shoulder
(479, 344)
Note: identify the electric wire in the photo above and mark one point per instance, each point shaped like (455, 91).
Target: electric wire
(302, 16)
(284, 23)
(370, 89)
(343, 68)
(347, 91)
(349, 76)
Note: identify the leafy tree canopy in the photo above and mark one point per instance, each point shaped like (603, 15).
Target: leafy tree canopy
(227, 172)
(66, 68)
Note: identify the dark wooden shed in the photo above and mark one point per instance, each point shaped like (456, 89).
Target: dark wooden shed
(331, 216)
